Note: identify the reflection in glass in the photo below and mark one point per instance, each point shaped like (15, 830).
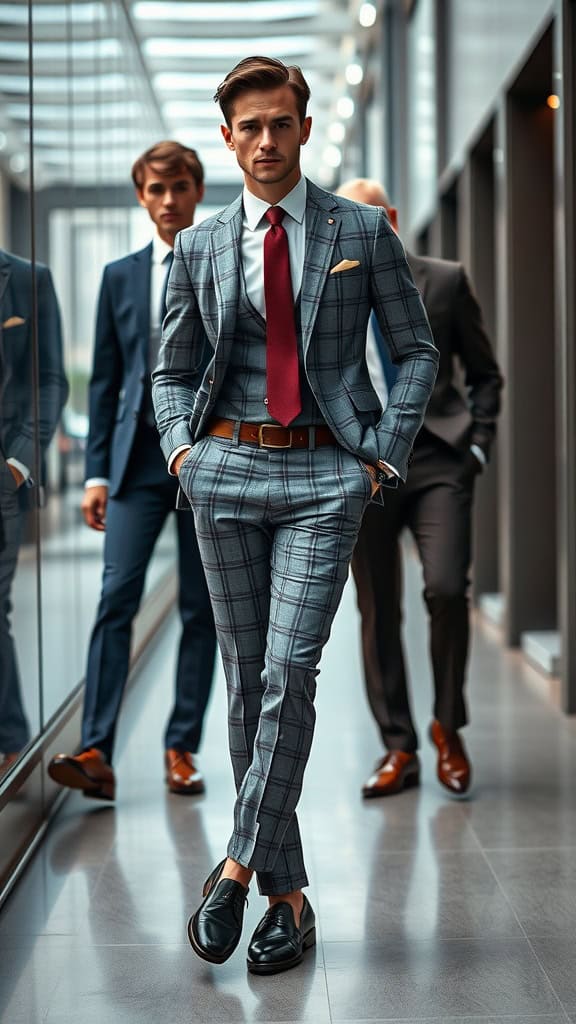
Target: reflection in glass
(32, 392)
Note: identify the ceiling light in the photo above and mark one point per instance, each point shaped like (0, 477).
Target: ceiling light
(332, 156)
(218, 48)
(336, 132)
(262, 11)
(354, 74)
(345, 107)
(367, 15)
(18, 162)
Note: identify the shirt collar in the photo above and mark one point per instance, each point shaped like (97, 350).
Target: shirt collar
(160, 249)
(294, 204)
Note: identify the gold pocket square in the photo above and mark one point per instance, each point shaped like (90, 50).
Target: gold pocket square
(345, 265)
(13, 321)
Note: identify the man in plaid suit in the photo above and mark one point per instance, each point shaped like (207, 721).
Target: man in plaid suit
(278, 506)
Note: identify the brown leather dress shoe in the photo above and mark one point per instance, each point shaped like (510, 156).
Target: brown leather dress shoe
(182, 775)
(454, 771)
(88, 771)
(397, 771)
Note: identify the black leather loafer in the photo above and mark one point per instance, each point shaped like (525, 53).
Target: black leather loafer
(277, 944)
(215, 929)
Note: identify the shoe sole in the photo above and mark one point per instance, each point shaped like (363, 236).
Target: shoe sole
(308, 942)
(211, 958)
(409, 783)
(196, 789)
(68, 773)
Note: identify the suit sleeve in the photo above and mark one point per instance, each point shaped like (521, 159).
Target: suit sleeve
(482, 375)
(105, 384)
(176, 379)
(404, 325)
(52, 383)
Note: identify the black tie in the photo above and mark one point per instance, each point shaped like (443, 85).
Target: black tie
(166, 262)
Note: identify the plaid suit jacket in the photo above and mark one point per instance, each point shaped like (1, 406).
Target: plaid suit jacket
(200, 326)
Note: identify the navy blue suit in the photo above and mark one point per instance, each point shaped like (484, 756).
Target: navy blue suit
(124, 449)
(21, 425)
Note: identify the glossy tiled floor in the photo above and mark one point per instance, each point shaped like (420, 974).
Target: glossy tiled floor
(429, 909)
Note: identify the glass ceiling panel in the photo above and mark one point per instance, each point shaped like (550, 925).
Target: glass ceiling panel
(273, 46)
(176, 81)
(77, 49)
(81, 111)
(51, 14)
(260, 10)
(64, 85)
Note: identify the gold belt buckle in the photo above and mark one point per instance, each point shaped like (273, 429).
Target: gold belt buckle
(272, 426)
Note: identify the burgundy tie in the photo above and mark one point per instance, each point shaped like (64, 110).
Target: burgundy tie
(282, 383)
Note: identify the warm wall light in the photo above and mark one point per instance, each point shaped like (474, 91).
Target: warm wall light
(553, 102)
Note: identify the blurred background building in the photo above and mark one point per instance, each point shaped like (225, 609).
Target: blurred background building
(464, 108)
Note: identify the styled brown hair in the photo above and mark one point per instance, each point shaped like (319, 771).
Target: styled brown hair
(167, 158)
(261, 73)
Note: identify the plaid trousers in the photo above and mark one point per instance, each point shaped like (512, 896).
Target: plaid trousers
(276, 530)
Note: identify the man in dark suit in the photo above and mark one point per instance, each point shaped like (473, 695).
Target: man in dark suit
(29, 319)
(436, 505)
(129, 494)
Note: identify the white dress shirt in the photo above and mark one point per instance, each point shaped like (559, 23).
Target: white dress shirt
(255, 226)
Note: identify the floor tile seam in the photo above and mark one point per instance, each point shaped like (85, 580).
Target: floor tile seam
(529, 849)
(506, 898)
(511, 1018)
(524, 933)
(413, 940)
(564, 1009)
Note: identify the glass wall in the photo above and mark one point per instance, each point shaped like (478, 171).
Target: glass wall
(75, 111)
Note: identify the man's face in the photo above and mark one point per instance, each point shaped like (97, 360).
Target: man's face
(170, 200)
(266, 135)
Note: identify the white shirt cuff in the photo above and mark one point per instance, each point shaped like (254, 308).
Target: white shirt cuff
(386, 465)
(97, 481)
(174, 455)
(22, 469)
(480, 455)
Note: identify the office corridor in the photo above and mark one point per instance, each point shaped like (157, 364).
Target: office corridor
(429, 909)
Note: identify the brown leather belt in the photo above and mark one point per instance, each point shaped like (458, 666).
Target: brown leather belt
(272, 435)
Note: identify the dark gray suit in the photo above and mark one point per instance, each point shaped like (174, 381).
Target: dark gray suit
(436, 505)
(25, 432)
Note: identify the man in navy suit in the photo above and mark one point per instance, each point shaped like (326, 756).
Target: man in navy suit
(30, 327)
(129, 494)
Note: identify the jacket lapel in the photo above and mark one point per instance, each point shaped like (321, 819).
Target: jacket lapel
(4, 276)
(225, 250)
(322, 228)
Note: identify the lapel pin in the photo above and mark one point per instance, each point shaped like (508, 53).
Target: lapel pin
(330, 220)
